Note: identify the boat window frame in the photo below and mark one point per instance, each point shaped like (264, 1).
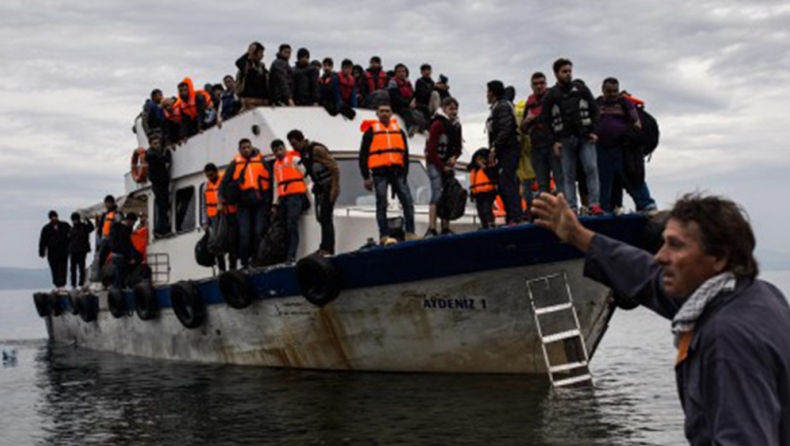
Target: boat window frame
(195, 217)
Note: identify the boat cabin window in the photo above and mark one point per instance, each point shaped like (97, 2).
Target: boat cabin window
(353, 192)
(186, 215)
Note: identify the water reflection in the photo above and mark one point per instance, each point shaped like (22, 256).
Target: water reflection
(100, 398)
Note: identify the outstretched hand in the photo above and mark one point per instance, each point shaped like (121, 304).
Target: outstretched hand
(554, 214)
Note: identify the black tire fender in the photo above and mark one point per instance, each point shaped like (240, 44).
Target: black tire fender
(108, 272)
(116, 302)
(74, 302)
(89, 307)
(42, 307)
(187, 304)
(54, 304)
(318, 280)
(146, 304)
(236, 289)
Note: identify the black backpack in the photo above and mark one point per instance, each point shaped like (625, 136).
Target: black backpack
(273, 248)
(219, 235)
(452, 203)
(650, 131)
(202, 255)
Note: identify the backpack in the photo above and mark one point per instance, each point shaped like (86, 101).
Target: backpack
(452, 202)
(202, 255)
(273, 248)
(650, 131)
(219, 235)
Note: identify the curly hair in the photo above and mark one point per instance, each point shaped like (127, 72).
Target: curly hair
(725, 230)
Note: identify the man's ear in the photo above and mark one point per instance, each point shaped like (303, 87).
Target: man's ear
(719, 264)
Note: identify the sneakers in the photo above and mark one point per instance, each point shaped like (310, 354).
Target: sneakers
(430, 233)
(410, 236)
(596, 210)
(387, 241)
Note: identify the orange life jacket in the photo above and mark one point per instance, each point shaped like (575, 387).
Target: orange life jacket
(552, 184)
(212, 198)
(290, 180)
(189, 107)
(479, 183)
(388, 147)
(108, 221)
(140, 240)
(255, 175)
(499, 206)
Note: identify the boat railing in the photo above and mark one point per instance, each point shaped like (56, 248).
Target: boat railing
(160, 267)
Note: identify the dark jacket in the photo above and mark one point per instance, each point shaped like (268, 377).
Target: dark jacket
(229, 105)
(116, 218)
(616, 118)
(54, 241)
(158, 166)
(570, 110)
(329, 91)
(502, 129)
(252, 80)
(401, 94)
(734, 385)
(153, 118)
(79, 238)
(364, 153)
(280, 81)
(121, 240)
(305, 84)
(322, 168)
(423, 89)
(540, 135)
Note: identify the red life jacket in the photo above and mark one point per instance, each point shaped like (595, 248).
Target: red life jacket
(347, 85)
(406, 90)
(375, 83)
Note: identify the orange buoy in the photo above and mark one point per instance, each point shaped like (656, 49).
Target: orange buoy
(139, 166)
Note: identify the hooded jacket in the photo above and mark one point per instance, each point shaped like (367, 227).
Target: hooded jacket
(252, 79)
(54, 240)
(79, 238)
(305, 83)
(281, 81)
(444, 140)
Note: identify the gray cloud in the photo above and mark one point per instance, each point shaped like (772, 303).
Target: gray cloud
(75, 73)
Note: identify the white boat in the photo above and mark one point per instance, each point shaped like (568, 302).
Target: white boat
(455, 303)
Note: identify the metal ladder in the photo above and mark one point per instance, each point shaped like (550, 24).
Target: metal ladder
(560, 336)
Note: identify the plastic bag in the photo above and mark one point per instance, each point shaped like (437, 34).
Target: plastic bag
(219, 235)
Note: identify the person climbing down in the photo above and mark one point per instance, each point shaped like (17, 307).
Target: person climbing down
(54, 245)
(483, 187)
(291, 192)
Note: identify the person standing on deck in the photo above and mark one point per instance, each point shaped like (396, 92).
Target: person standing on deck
(730, 328)
(383, 162)
(252, 84)
(159, 159)
(250, 181)
(281, 79)
(79, 247)
(54, 245)
(124, 254)
(111, 216)
(305, 79)
(504, 148)
(324, 173)
(291, 192)
(442, 149)
(211, 198)
(545, 162)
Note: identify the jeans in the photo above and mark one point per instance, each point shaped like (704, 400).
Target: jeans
(292, 207)
(613, 179)
(508, 184)
(162, 206)
(324, 212)
(574, 148)
(58, 266)
(253, 220)
(545, 163)
(485, 208)
(78, 266)
(436, 178)
(397, 180)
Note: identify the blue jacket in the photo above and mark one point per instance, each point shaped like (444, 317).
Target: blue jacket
(734, 385)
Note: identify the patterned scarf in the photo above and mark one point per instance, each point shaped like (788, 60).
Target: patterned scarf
(692, 309)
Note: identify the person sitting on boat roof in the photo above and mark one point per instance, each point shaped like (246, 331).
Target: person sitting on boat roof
(54, 245)
(291, 192)
(281, 79)
(423, 87)
(305, 79)
(329, 88)
(359, 80)
(442, 149)
(347, 84)
(153, 114)
(483, 186)
(324, 173)
(402, 100)
(229, 102)
(172, 124)
(211, 198)
(159, 160)
(731, 329)
(253, 78)
(192, 105)
(250, 188)
(375, 80)
(384, 161)
(124, 254)
(441, 90)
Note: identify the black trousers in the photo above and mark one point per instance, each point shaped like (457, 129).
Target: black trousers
(58, 266)
(485, 208)
(324, 212)
(78, 266)
(162, 206)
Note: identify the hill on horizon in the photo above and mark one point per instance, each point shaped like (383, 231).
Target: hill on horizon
(25, 278)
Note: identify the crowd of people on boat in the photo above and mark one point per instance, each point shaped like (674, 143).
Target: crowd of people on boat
(558, 139)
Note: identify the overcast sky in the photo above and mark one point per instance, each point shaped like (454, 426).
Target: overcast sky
(75, 73)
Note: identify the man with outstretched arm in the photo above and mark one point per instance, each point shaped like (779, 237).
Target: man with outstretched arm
(731, 329)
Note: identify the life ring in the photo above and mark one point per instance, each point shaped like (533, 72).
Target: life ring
(40, 299)
(187, 304)
(236, 289)
(74, 302)
(116, 303)
(139, 166)
(55, 306)
(88, 306)
(318, 280)
(146, 304)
